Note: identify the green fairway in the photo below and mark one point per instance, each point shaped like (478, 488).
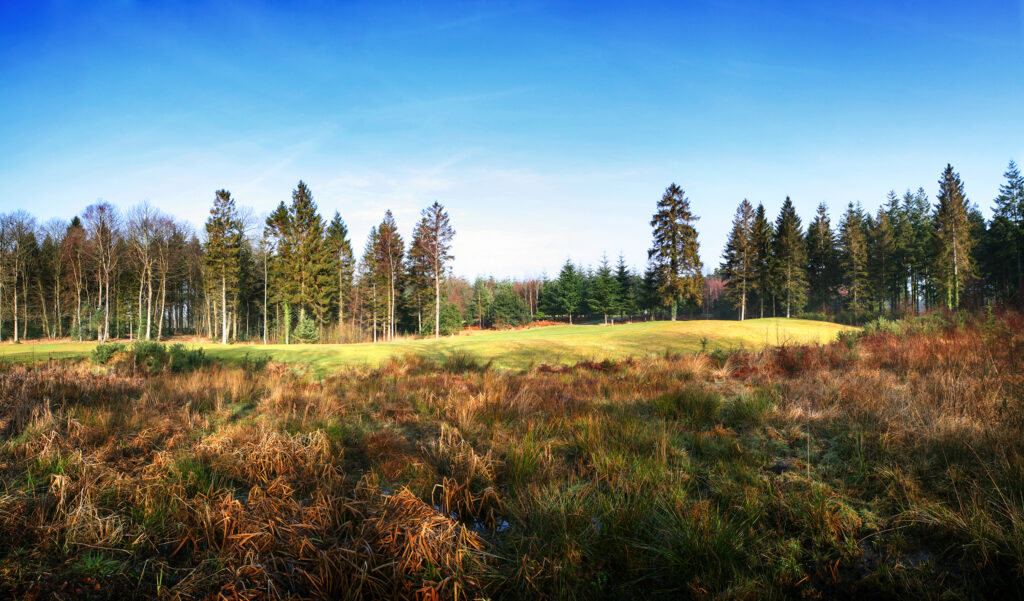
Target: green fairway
(512, 348)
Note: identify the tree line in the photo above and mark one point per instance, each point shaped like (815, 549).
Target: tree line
(295, 276)
(911, 255)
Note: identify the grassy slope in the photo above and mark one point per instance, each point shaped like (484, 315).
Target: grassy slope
(517, 348)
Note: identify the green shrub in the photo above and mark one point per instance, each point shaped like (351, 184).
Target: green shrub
(881, 325)
(149, 355)
(849, 338)
(451, 320)
(182, 358)
(507, 308)
(306, 331)
(104, 351)
(255, 363)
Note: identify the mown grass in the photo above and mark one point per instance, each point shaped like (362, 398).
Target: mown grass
(517, 349)
(889, 466)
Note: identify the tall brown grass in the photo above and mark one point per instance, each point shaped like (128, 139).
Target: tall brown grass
(890, 465)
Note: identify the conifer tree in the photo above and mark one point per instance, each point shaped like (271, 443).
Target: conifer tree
(1009, 210)
(604, 297)
(369, 282)
(626, 285)
(917, 212)
(310, 269)
(223, 242)
(278, 232)
(390, 257)
(738, 264)
(339, 249)
(790, 259)
(954, 242)
(853, 259)
(568, 290)
(432, 245)
(881, 259)
(762, 236)
(674, 252)
(821, 259)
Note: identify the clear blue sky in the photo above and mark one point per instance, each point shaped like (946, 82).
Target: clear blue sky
(548, 129)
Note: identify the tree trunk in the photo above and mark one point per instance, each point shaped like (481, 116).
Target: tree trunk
(437, 305)
(341, 302)
(264, 300)
(42, 303)
(106, 310)
(24, 304)
(149, 304)
(163, 305)
(14, 288)
(743, 301)
(224, 309)
(78, 310)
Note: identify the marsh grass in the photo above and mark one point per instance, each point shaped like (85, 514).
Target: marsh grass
(888, 464)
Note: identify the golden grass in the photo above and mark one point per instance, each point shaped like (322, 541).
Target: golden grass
(516, 349)
(887, 467)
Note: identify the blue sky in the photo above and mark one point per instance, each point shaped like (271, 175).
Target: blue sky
(548, 129)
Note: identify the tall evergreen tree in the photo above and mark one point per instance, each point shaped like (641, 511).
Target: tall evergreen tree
(312, 277)
(1009, 210)
(738, 264)
(604, 297)
(762, 236)
(626, 284)
(223, 242)
(881, 243)
(278, 233)
(390, 262)
(568, 290)
(674, 252)
(853, 257)
(821, 260)
(790, 259)
(371, 293)
(342, 262)
(917, 212)
(433, 241)
(954, 242)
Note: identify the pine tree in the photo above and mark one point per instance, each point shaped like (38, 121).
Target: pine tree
(569, 290)
(821, 259)
(390, 262)
(310, 270)
(738, 264)
(339, 249)
(674, 253)
(762, 236)
(278, 232)
(626, 284)
(917, 212)
(369, 282)
(1009, 206)
(853, 257)
(432, 245)
(604, 297)
(881, 264)
(223, 242)
(954, 242)
(790, 259)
